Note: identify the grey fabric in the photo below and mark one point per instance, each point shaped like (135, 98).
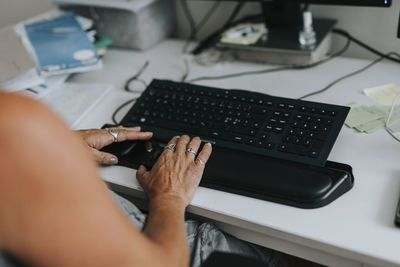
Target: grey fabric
(203, 239)
(7, 261)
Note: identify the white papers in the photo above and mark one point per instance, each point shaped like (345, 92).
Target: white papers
(74, 101)
(17, 68)
(27, 75)
(47, 86)
(14, 60)
(23, 81)
(131, 5)
(383, 94)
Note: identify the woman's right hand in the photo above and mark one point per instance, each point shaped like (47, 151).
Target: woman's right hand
(177, 172)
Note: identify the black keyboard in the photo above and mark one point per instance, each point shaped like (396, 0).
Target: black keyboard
(289, 129)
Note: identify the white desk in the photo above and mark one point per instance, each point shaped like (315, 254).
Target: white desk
(355, 230)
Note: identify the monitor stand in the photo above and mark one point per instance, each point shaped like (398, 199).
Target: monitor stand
(281, 44)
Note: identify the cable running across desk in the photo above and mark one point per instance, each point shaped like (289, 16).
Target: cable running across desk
(350, 75)
(194, 29)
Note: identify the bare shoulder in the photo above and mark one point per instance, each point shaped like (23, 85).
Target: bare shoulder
(16, 108)
(28, 125)
(23, 115)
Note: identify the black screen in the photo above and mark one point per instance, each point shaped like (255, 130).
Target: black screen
(381, 3)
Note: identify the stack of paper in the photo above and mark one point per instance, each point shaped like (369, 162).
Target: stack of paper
(367, 119)
(37, 55)
(16, 66)
(384, 94)
(61, 45)
(131, 5)
(74, 101)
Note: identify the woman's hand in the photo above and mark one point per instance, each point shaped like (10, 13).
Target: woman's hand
(96, 139)
(177, 172)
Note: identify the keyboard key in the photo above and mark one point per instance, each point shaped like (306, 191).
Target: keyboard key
(244, 131)
(264, 137)
(313, 153)
(259, 110)
(306, 142)
(232, 137)
(278, 129)
(249, 141)
(269, 145)
(269, 127)
(260, 144)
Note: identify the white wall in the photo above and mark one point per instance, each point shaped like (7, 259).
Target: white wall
(375, 26)
(13, 11)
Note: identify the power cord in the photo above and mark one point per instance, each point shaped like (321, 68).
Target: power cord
(135, 78)
(387, 128)
(127, 87)
(343, 78)
(208, 41)
(364, 45)
(195, 29)
(350, 38)
(113, 117)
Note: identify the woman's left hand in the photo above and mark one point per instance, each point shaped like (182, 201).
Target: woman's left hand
(96, 139)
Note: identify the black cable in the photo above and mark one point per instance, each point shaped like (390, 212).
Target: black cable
(364, 45)
(188, 14)
(351, 74)
(208, 41)
(195, 29)
(136, 78)
(238, 74)
(207, 16)
(234, 14)
(121, 107)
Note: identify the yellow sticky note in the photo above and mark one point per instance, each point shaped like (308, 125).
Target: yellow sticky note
(383, 94)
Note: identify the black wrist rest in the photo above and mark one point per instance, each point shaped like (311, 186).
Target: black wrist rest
(256, 176)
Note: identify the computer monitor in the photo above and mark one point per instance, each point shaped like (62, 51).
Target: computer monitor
(284, 21)
(288, 12)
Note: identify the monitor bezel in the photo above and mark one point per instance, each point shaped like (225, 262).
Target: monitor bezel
(370, 3)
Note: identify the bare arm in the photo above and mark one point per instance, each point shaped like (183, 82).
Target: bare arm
(170, 186)
(54, 209)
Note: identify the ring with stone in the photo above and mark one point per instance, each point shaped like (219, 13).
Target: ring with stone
(114, 134)
(200, 161)
(192, 150)
(170, 147)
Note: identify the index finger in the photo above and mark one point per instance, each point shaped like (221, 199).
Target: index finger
(125, 134)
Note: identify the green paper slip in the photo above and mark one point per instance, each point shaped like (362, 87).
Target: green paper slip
(360, 114)
(371, 126)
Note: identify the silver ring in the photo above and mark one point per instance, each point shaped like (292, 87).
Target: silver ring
(192, 150)
(170, 147)
(114, 134)
(200, 161)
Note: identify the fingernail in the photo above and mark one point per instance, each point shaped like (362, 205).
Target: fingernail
(113, 161)
(147, 132)
(209, 144)
(136, 128)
